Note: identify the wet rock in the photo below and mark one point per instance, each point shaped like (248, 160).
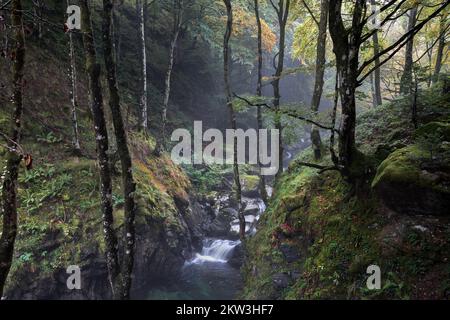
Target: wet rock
(220, 226)
(237, 258)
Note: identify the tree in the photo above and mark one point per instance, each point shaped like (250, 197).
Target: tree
(226, 68)
(13, 152)
(377, 98)
(259, 118)
(128, 184)
(346, 47)
(93, 71)
(319, 75)
(143, 57)
(347, 42)
(73, 94)
(441, 46)
(282, 12)
(178, 8)
(406, 83)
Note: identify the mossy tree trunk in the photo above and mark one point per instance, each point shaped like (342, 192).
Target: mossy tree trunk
(93, 70)
(128, 184)
(346, 46)
(13, 154)
(259, 117)
(226, 68)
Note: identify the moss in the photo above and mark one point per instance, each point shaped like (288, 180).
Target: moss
(404, 166)
(249, 182)
(443, 128)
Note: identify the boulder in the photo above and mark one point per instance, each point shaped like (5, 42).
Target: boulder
(410, 182)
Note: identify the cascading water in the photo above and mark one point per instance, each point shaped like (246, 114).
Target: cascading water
(209, 275)
(215, 251)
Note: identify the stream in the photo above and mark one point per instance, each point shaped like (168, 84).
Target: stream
(209, 275)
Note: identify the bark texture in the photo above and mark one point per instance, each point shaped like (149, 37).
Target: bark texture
(282, 13)
(319, 75)
(128, 184)
(259, 117)
(13, 154)
(143, 103)
(93, 70)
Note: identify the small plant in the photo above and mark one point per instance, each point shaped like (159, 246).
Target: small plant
(49, 138)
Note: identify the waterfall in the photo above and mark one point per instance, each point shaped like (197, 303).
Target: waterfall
(215, 251)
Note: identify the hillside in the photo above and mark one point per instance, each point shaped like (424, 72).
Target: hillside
(319, 235)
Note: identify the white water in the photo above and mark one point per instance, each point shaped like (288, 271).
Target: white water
(215, 251)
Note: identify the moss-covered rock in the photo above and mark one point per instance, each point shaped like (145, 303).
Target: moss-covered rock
(411, 183)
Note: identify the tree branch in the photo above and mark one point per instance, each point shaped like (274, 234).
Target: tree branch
(399, 43)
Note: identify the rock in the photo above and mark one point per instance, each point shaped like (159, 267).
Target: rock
(406, 188)
(250, 186)
(220, 226)
(237, 258)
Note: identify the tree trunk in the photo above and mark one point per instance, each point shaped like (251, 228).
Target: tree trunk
(378, 99)
(73, 94)
(226, 67)
(93, 70)
(262, 179)
(346, 48)
(143, 99)
(128, 184)
(320, 71)
(178, 20)
(282, 13)
(406, 84)
(440, 50)
(13, 156)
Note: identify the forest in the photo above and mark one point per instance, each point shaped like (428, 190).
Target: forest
(224, 150)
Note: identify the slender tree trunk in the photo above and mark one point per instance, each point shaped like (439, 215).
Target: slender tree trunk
(406, 84)
(282, 13)
(320, 72)
(378, 99)
(143, 99)
(259, 118)
(440, 50)
(226, 67)
(13, 156)
(73, 94)
(128, 185)
(93, 70)
(178, 20)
